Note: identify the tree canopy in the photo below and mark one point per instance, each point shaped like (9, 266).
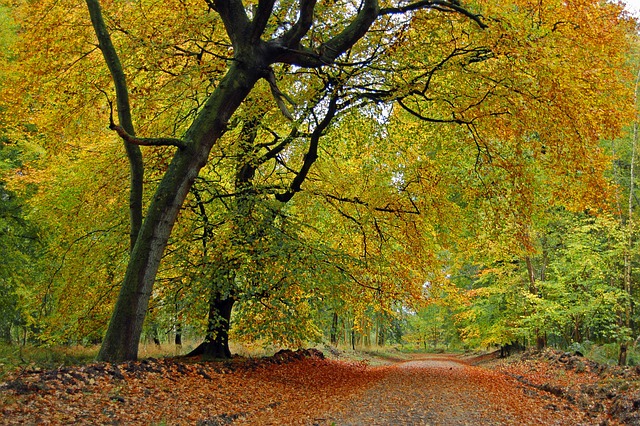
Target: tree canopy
(315, 163)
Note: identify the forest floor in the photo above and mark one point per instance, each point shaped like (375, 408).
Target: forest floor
(304, 388)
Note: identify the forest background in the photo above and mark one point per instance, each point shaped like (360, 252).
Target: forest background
(428, 174)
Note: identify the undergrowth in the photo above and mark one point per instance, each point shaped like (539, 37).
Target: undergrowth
(13, 357)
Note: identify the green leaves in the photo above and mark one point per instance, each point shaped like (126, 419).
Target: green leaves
(450, 146)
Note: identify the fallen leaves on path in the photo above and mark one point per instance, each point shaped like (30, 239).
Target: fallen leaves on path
(289, 388)
(154, 392)
(441, 390)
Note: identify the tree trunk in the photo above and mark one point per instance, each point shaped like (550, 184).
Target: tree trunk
(178, 338)
(381, 338)
(216, 343)
(125, 327)
(5, 334)
(622, 357)
(577, 333)
(134, 154)
(334, 329)
(541, 340)
(156, 335)
(353, 339)
(531, 274)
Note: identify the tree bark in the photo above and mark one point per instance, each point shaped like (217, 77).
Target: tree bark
(353, 336)
(156, 335)
(216, 343)
(541, 338)
(334, 329)
(622, 359)
(622, 356)
(125, 327)
(178, 338)
(134, 155)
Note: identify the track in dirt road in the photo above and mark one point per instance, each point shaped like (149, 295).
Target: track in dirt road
(443, 390)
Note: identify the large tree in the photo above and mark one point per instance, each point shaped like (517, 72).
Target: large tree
(504, 90)
(257, 44)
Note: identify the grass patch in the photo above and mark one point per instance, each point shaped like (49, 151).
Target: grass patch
(14, 357)
(373, 355)
(608, 354)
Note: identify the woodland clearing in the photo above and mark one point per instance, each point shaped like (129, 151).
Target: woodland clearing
(304, 388)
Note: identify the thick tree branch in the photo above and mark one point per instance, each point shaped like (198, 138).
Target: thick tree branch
(356, 200)
(292, 37)
(442, 5)
(278, 95)
(234, 18)
(147, 141)
(260, 20)
(312, 152)
(124, 116)
(352, 33)
(293, 53)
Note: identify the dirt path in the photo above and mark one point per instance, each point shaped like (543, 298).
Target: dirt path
(443, 390)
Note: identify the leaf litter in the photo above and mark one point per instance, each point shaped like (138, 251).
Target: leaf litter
(300, 387)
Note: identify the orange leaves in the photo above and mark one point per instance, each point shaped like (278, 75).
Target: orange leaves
(442, 390)
(152, 392)
(605, 392)
(433, 389)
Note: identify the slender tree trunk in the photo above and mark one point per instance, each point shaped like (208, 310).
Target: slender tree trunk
(125, 327)
(156, 334)
(346, 332)
(577, 335)
(353, 337)
(134, 154)
(366, 335)
(334, 329)
(533, 289)
(622, 356)
(622, 359)
(381, 338)
(541, 339)
(5, 334)
(178, 338)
